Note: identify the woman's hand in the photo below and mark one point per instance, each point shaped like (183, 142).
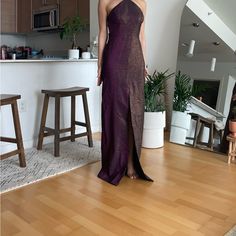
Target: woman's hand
(146, 73)
(99, 79)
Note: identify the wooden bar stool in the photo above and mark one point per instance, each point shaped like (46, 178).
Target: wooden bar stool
(232, 148)
(9, 99)
(45, 131)
(202, 122)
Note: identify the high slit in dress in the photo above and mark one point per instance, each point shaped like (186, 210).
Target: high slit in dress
(123, 75)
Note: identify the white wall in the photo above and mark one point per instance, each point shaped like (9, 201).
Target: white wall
(13, 40)
(93, 19)
(225, 72)
(162, 37)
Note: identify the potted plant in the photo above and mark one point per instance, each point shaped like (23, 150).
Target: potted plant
(232, 123)
(70, 30)
(180, 121)
(154, 116)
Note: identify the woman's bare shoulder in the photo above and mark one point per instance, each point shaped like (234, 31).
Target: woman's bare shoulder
(104, 2)
(142, 3)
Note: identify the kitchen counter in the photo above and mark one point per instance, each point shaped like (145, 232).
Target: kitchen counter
(47, 60)
(29, 77)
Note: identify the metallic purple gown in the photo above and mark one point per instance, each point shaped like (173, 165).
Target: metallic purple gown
(123, 72)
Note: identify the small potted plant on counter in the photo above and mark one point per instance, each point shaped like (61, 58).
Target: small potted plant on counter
(180, 122)
(155, 115)
(71, 29)
(232, 123)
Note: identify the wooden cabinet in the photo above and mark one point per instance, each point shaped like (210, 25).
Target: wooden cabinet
(24, 16)
(51, 2)
(15, 16)
(83, 9)
(37, 4)
(68, 8)
(8, 16)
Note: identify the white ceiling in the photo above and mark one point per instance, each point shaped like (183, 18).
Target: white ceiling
(226, 10)
(204, 37)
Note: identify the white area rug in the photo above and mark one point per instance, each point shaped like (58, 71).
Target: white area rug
(232, 232)
(43, 164)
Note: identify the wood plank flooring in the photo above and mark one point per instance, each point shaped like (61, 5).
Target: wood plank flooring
(194, 193)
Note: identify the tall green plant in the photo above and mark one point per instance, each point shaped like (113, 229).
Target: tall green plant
(183, 92)
(71, 28)
(154, 89)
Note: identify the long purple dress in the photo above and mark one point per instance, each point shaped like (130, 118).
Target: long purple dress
(123, 72)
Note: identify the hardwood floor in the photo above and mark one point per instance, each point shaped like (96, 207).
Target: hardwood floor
(194, 193)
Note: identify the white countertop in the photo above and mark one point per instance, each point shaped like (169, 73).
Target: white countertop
(47, 60)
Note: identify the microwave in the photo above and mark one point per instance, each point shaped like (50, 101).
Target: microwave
(46, 19)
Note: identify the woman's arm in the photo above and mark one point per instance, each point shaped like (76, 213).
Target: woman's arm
(142, 32)
(102, 16)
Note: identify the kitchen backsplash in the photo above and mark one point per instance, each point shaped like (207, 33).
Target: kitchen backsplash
(13, 40)
(51, 43)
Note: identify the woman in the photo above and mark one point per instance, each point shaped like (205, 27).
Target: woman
(121, 69)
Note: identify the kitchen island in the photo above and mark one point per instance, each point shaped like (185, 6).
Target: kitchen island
(29, 77)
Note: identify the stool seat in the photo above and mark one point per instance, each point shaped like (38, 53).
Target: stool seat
(47, 131)
(6, 99)
(232, 148)
(203, 119)
(73, 91)
(11, 99)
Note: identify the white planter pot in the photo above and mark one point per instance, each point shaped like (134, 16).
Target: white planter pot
(73, 54)
(153, 130)
(180, 124)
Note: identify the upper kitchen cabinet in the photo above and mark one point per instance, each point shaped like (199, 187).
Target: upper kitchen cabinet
(38, 4)
(15, 16)
(8, 16)
(68, 8)
(24, 17)
(83, 9)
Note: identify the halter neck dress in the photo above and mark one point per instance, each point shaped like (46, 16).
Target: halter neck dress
(123, 75)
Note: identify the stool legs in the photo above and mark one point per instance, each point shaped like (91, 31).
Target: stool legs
(19, 142)
(87, 120)
(72, 118)
(57, 127)
(230, 151)
(234, 151)
(195, 140)
(211, 136)
(46, 131)
(43, 121)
